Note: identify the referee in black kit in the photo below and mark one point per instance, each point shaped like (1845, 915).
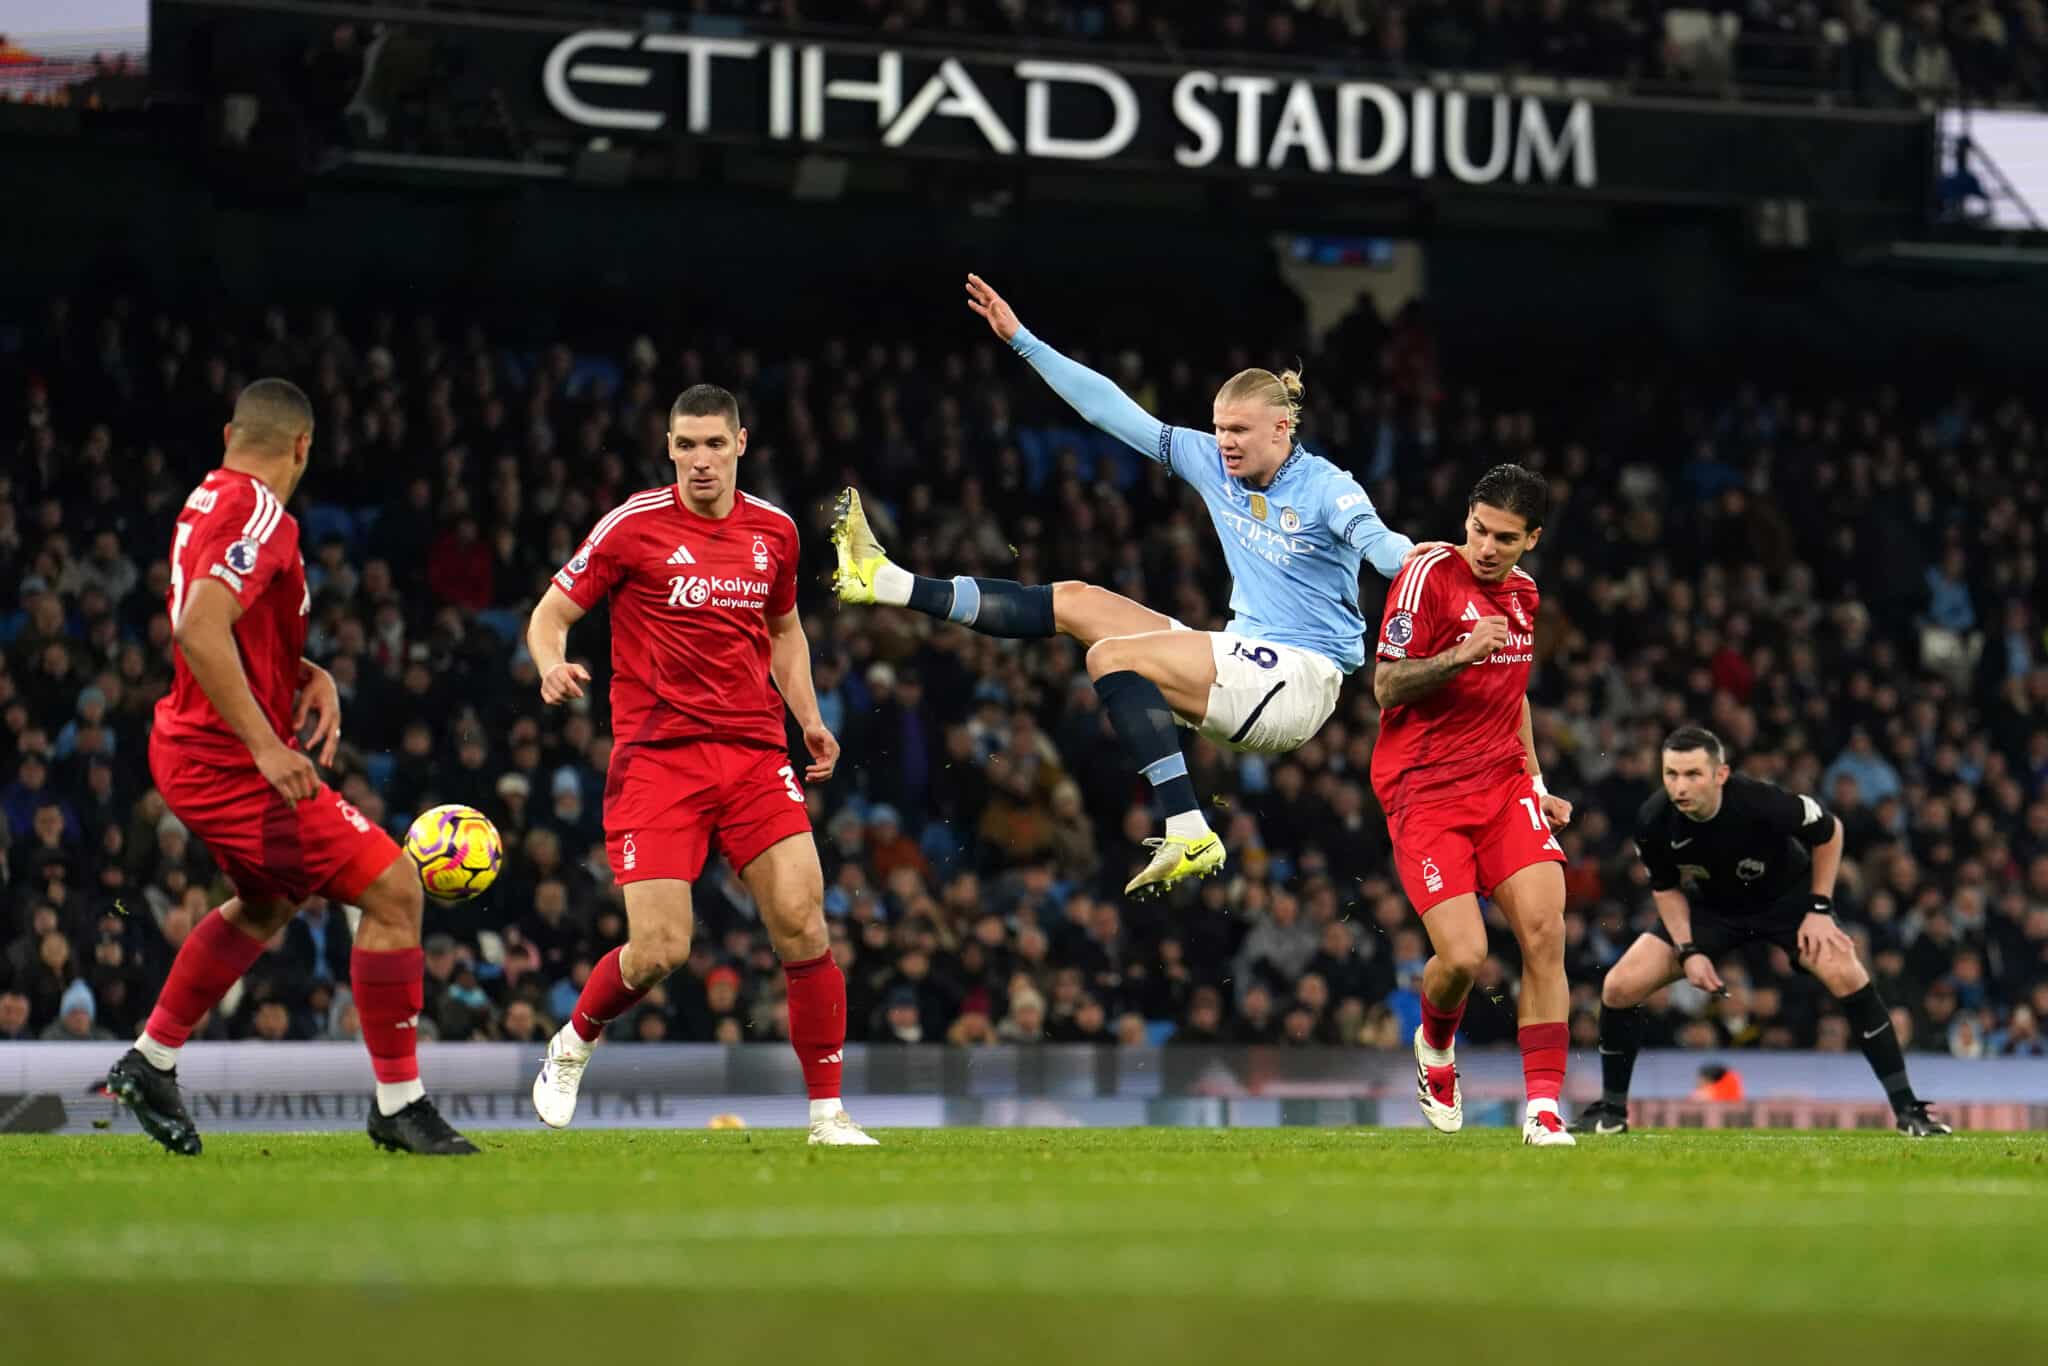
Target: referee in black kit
(1762, 865)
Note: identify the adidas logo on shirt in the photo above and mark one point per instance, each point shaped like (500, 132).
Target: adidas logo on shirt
(682, 556)
(1470, 613)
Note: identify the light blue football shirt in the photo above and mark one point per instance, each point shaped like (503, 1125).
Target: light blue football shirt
(1293, 547)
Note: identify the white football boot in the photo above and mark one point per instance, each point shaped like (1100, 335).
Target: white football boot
(1436, 1086)
(839, 1131)
(1543, 1128)
(561, 1076)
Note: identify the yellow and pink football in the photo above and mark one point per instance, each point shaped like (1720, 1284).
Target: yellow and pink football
(457, 851)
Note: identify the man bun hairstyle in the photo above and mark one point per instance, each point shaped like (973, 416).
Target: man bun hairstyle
(1686, 739)
(1283, 390)
(1511, 488)
(706, 400)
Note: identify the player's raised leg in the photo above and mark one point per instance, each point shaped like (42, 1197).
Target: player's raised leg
(1843, 974)
(213, 958)
(659, 925)
(994, 607)
(386, 973)
(1648, 967)
(789, 887)
(1532, 899)
(1144, 682)
(1457, 941)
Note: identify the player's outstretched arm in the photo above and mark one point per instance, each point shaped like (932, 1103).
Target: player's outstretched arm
(547, 640)
(1357, 523)
(205, 633)
(1094, 396)
(789, 664)
(1397, 682)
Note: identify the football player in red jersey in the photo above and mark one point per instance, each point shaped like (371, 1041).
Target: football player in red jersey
(707, 649)
(224, 752)
(1455, 769)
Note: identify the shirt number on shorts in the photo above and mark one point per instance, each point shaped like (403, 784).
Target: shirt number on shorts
(1263, 656)
(1536, 822)
(788, 776)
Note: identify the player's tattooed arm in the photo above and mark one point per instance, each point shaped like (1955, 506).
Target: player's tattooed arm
(1396, 682)
(1399, 681)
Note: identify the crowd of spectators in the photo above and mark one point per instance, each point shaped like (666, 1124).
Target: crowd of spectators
(1846, 585)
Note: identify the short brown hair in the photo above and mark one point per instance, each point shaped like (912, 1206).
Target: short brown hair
(706, 400)
(272, 413)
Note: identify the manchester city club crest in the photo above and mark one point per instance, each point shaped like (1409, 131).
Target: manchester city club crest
(1290, 520)
(1259, 506)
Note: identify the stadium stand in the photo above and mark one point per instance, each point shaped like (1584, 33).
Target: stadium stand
(1846, 583)
(1854, 51)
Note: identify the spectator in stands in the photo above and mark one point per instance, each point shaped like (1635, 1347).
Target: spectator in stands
(1913, 56)
(14, 1018)
(77, 1018)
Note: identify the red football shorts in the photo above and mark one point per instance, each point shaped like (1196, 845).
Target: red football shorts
(322, 846)
(1470, 841)
(665, 801)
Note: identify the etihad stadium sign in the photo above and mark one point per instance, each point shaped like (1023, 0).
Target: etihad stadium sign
(1064, 111)
(553, 87)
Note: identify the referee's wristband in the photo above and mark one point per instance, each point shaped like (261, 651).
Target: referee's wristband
(1819, 904)
(1687, 950)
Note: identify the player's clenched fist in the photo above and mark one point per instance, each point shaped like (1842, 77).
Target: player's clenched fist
(563, 682)
(1488, 635)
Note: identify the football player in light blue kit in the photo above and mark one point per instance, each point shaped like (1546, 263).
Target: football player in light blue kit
(1294, 528)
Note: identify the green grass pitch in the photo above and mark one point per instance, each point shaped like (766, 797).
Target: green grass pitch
(1059, 1247)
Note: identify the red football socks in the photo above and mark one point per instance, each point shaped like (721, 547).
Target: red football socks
(214, 957)
(1439, 1026)
(1543, 1053)
(390, 988)
(604, 998)
(817, 1022)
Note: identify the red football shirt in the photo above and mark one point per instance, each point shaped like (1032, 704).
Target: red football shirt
(1471, 726)
(691, 597)
(234, 531)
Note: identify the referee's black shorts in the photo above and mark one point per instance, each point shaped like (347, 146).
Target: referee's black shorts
(1776, 923)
